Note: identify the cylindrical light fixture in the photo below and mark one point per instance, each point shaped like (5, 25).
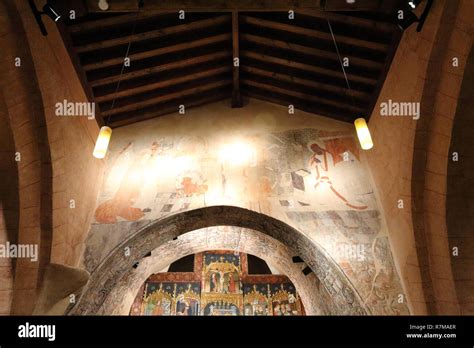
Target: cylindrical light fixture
(102, 142)
(363, 134)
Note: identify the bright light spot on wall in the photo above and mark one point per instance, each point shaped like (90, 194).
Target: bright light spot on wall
(363, 134)
(238, 154)
(102, 143)
(135, 177)
(170, 165)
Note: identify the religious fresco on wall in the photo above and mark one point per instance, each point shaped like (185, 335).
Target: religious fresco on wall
(257, 296)
(309, 178)
(303, 169)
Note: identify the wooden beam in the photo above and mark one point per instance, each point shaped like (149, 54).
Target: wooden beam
(236, 98)
(160, 68)
(159, 51)
(170, 107)
(364, 23)
(284, 77)
(102, 23)
(153, 34)
(164, 83)
(304, 96)
(141, 104)
(316, 53)
(315, 69)
(397, 36)
(298, 104)
(385, 6)
(342, 40)
(358, 5)
(205, 5)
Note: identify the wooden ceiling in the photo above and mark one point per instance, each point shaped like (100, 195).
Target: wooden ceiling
(189, 61)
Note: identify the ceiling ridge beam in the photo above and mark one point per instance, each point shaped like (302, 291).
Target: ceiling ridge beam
(206, 5)
(236, 97)
(151, 70)
(152, 34)
(158, 51)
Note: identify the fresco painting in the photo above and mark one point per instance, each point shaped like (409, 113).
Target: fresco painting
(200, 175)
(312, 179)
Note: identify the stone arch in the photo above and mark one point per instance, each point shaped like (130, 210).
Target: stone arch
(9, 202)
(106, 276)
(460, 193)
(313, 296)
(24, 108)
(431, 155)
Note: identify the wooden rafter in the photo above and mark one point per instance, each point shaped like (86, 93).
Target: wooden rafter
(160, 68)
(236, 97)
(189, 60)
(153, 34)
(205, 5)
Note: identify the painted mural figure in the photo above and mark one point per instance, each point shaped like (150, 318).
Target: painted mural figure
(121, 205)
(222, 282)
(231, 283)
(213, 283)
(320, 162)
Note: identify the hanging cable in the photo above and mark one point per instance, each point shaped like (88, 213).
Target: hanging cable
(360, 124)
(105, 132)
(340, 62)
(123, 66)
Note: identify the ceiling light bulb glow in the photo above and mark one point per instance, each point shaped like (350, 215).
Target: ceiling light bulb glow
(102, 143)
(237, 153)
(363, 134)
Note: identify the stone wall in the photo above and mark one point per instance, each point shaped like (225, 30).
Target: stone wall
(23, 104)
(409, 158)
(76, 173)
(460, 193)
(9, 203)
(56, 163)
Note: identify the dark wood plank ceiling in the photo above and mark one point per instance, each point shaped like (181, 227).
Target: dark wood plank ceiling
(189, 61)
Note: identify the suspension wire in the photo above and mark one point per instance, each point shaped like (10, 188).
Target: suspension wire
(123, 67)
(340, 62)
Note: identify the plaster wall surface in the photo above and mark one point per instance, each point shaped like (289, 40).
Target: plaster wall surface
(307, 171)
